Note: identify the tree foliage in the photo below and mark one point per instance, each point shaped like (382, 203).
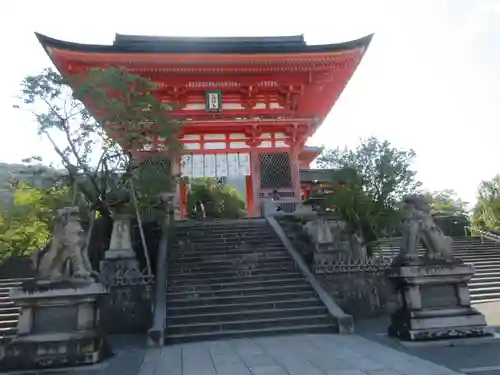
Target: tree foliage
(356, 208)
(26, 225)
(219, 201)
(446, 203)
(386, 172)
(486, 213)
(95, 120)
(385, 177)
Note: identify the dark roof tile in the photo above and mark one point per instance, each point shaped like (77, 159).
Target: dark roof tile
(242, 45)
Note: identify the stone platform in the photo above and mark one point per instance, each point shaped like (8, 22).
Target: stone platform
(58, 325)
(434, 302)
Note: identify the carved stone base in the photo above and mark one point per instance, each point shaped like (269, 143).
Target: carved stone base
(58, 325)
(434, 303)
(128, 306)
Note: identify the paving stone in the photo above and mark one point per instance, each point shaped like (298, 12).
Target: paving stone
(170, 361)
(268, 370)
(346, 372)
(196, 360)
(283, 355)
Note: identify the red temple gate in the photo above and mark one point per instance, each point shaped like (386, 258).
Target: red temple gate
(248, 105)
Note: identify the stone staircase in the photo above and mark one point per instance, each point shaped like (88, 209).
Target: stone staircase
(483, 254)
(234, 279)
(9, 313)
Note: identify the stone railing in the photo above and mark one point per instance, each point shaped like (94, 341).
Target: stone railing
(340, 265)
(344, 322)
(484, 234)
(156, 335)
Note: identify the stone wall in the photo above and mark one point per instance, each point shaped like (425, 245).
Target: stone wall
(358, 286)
(360, 293)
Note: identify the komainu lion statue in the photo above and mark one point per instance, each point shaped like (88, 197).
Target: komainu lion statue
(66, 248)
(418, 225)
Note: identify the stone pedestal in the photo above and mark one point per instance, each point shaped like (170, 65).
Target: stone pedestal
(434, 302)
(127, 307)
(58, 325)
(120, 245)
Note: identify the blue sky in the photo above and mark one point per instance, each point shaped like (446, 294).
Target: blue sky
(429, 81)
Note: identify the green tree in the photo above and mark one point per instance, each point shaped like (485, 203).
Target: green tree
(446, 203)
(486, 213)
(386, 176)
(96, 121)
(386, 172)
(357, 209)
(25, 227)
(219, 201)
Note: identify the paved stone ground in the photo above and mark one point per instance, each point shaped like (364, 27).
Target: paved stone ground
(491, 311)
(480, 359)
(287, 355)
(283, 355)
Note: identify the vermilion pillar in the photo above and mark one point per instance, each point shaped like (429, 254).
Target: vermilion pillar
(183, 195)
(249, 196)
(295, 171)
(255, 177)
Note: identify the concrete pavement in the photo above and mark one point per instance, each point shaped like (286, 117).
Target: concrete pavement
(287, 355)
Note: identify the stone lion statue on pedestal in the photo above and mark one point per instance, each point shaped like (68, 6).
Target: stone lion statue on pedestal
(66, 248)
(418, 225)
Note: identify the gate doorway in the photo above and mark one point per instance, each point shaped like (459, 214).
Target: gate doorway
(217, 184)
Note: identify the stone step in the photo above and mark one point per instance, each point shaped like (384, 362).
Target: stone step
(243, 315)
(228, 245)
(225, 238)
(477, 252)
(7, 331)
(233, 273)
(243, 284)
(482, 271)
(234, 269)
(483, 266)
(244, 306)
(9, 310)
(9, 322)
(484, 262)
(224, 228)
(230, 251)
(218, 280)
(473, 259)
(259, 221)
(255, 332)
(230, 292)
(257, 298)
(487, 282)
(249, 325)
(484, 289)
(10, 284)
(221, 257)
(478, 278)
(230, 262)
(484, 274)
(229, 232)
(485, 297)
